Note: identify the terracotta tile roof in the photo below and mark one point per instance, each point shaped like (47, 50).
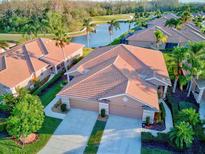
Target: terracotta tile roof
(188, 32)
(55, 55)
(24, 60)
(115, 70)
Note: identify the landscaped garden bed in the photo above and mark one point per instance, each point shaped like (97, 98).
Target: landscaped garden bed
(183, 108)
(9, 145)
(59, 107)
(159, 121)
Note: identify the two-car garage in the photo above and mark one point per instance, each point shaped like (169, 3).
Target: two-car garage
(116, 106)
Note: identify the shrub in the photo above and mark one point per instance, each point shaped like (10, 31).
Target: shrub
(47, 84)
(182, 135)
(189, 115)
(8, 101)
(102, 113)
(158, 117)
(147, 121)
(2, 125)
(58, 103)
(173, 106)
(148, 137)
(186, 105)
(27, 117)
(63, 107)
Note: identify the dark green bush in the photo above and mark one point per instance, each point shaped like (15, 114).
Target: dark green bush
(186, 105)
(4, 107)
(47, 84)
(2, 125)
(102, 113)
(148, 137)
(163, 113)
(173, 107)
(147, 121)
(63, 107)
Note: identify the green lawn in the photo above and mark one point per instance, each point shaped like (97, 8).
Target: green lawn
(97, 20)
(95, 137)
(18, 37)
(8, 146)
(104, 19)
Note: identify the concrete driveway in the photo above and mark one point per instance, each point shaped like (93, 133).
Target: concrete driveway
(72, 134)
(121, 136)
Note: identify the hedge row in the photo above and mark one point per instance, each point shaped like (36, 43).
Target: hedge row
(47, 84)
(148, 137)
(173, 106)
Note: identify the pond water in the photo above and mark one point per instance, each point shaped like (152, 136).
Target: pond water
(102, 37)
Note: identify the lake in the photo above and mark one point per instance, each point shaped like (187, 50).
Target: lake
(102, 37)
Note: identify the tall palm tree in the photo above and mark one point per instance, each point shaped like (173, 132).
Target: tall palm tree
(62, 39)
(113, 24)
(176, 61)
(3, 44)
(195, 62)
(89, 27)
(182, 135)
(186, 16)
(160, 37)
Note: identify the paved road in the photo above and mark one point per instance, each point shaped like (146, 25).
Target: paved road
(121, 136)
(72, 134)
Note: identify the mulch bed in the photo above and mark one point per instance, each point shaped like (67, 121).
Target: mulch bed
(160, 145)
(4, 134)
(197, 147)
(155, 126)
(182, 96)
(102, 118)
(28, 140)
(4, 114)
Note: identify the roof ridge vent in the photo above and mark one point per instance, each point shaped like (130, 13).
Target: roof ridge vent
(42, 46)
(28, 60)
(2, 62)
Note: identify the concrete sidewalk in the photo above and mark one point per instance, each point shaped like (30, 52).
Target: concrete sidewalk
(48, 110)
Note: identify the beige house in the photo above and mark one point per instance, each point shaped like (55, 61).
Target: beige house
(124, 80)
(21, 65)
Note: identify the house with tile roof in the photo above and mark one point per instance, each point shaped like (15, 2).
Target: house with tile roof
(124, 80)
(35, 60)
(146, 38)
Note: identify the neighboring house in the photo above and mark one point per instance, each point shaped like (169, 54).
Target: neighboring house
(124, 80)
(146, 38)
(22, 65)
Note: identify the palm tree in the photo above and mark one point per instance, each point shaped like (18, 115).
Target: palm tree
(195, 62)
(175, 23)
(113, 24)
(189, 115)
(62, 39)
(176, 61)
(186, 16)
(89, 27)
(158, 13)
(182, 135)
(3, 44)
(160, 37)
